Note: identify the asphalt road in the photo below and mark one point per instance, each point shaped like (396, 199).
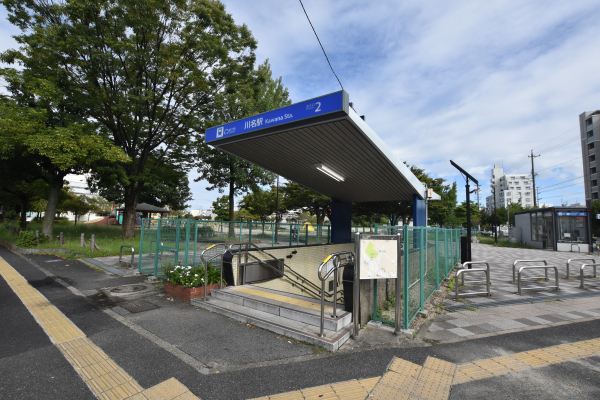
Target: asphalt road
(31, 367)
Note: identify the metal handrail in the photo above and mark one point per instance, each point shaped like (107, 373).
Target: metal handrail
(545, 267)
(210, 259)
(462, 272)
(578, 248)
(522, 261)
(577, 259)
(336, 261)
(299, 279)
(132, 254)
(581, 272)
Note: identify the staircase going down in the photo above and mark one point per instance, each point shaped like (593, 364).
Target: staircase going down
(286, 314)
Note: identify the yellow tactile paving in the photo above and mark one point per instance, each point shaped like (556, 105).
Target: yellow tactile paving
(103, 376)
(528, 359)
(282, 298)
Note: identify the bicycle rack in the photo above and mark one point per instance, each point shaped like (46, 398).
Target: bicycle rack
(546, 267)
(132, 254)
(581, 272)
(578, 248)
(522, 261)
(578, 259)
(462, 272)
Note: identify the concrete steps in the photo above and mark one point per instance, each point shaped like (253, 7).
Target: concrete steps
(284, 314)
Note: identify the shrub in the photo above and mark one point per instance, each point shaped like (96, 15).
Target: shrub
(26, 239)
(205, 232)
(190, 277)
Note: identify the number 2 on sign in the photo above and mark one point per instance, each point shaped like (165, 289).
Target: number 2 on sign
(319, 107)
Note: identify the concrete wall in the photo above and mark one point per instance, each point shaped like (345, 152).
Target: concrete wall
(306, 262)
(523, 221)
(584, 248)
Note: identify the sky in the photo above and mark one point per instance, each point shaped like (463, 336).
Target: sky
(479, 83)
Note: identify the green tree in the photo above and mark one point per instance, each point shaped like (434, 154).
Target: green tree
(441, 210)
(147, 72)
(296, 197)
(461, 214)
(56, 143)
(595, 210)
(78, 204)
(260, 203)
(221, 208)
(243, 98)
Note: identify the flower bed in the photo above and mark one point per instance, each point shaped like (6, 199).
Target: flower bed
(179, 292)
(187, 283)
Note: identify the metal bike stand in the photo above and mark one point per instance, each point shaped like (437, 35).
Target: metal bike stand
(132, 254)
(581, 272)
(578, 259)
(524, 261)
(578, 248)
(462, 272)
(546, 267)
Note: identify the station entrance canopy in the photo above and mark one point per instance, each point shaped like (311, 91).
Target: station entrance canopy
(324, 145)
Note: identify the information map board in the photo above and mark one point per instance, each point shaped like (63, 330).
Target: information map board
(378, 257)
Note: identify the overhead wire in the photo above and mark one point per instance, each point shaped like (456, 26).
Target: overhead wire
(568, 180)
(556, 165)
(313, 28)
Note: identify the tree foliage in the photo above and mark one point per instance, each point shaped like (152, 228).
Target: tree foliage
(147, 72)
(296, 196)
(242, 98)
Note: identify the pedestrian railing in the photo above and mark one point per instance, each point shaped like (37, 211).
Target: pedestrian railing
(577, 259)
(581, 272)
(546, 268)
(331, 268)
(206, 259)
(526, 261)
(461, 274)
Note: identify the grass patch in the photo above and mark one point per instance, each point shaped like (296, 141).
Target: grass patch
(502, 242)
(471, 309)
(551, 300)
(108, 238)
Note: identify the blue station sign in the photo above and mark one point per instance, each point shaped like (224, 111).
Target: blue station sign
(571, 214)
(319, 106)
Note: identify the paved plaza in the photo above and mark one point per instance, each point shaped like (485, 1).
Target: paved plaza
(506, 310)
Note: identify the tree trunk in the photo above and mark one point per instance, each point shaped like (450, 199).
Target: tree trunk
(131, 196)
(231, 208)
(24, 215)
(75, 219)
(48, 226)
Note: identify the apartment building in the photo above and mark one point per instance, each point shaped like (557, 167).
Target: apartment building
(589, 123)
(509, 189)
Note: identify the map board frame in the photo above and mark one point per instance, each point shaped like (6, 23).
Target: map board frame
(365, 246)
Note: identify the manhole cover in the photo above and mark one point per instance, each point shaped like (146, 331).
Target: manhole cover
(138, 306)
(128, 289)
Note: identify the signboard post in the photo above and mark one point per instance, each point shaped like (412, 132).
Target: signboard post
(377, 257)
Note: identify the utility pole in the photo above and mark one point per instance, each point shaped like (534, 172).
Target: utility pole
(277, 213)
(495, 217)
(533, 178)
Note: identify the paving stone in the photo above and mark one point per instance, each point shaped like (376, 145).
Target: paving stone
(461, 332)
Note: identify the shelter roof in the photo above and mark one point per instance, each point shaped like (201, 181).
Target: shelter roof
(324, 145)
(145, 207)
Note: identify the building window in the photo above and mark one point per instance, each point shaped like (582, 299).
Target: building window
(525, 182)
(592, 170)
(528, 188)
(592, 157)
(528, 200)
(571, 229)
(512, 188)
(508, 193)
(591, 146)
(594, 182)
(518, 187)
(595, 195)
(512, 178)
(590, 133)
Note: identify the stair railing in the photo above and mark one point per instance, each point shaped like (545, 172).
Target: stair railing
(335, 264)
(207, 260)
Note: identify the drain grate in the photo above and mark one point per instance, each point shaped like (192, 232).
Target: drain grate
(138, 306)
(128, 289)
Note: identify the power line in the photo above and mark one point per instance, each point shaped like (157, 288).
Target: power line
(568, 180)
(313, 28)
(566, 195)
(564, 162)
(567, 142)
(557, 146)
(559, 136)
(560, 188)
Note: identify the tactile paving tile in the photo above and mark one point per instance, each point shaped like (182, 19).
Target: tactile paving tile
(382, 392)
(404, 367)
(282, 298)
(441, 366)
(397, 381)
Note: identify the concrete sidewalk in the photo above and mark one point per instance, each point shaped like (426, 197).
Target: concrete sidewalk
(178, 341)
